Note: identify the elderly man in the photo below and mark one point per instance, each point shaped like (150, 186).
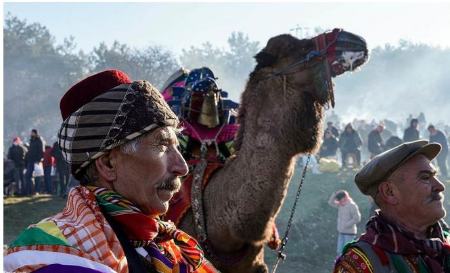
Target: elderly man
(407, 234)
(119, 138)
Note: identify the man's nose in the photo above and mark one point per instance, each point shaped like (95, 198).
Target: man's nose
(438, 185)
(179, 167)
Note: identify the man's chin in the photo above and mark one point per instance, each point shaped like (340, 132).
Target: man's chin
(165, 195)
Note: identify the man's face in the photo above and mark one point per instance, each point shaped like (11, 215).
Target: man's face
(414, 125)
(33, 134)
(420, 192)
(150, 176)
(380, 128)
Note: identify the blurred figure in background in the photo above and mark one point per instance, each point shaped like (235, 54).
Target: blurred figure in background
(348, 217)
(48, 163)
(17, 153)
(375, 141)
(412, 133)
(349, 143)
(34, 156)
(329, 145)
(330, 127)
(439, 137)
(63, 170)
(392, 142)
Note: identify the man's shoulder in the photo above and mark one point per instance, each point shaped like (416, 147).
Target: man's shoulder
(46, 232)
(354, 259)
(79, 218)
(353, 205)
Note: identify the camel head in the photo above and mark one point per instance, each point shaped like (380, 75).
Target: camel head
(295, 79)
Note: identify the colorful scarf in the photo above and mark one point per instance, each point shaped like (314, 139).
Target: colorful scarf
(170, 249)
(435, 251)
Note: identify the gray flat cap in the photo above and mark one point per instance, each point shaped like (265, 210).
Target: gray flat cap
(384, 164)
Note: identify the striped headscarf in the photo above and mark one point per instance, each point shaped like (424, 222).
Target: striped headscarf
(99, 117)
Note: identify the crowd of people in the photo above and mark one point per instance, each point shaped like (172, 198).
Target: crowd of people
(35, 168)
(360, 141)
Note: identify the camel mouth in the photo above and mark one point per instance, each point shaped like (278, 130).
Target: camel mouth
(344, 51)
(350, 53)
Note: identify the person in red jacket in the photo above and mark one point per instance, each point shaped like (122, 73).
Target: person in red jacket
(48, 163)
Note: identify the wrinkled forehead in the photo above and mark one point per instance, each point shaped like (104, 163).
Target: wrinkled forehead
(164, 133)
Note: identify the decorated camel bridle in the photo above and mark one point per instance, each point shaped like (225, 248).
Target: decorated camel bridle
(325, 63)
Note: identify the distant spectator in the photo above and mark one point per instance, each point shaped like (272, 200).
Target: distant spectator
(409, 118)
(348, 217)
(375, 141)
(421, 118)
(34, 155)
(392, 142)
(48, 163)
(313, 165)
(17, 153)
(9, 182)
(349, 143)
(62, 168)
(332, 129)
(439, 137)
(412, 133)
(329, 145)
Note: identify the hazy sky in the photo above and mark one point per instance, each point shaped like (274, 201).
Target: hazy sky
(180, 25)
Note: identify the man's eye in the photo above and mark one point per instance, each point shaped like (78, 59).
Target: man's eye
(425, 177)
(164, 143)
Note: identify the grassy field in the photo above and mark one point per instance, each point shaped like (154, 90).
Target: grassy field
(19, 212)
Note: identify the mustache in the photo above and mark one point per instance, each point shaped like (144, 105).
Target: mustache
(172, 183)
(435, 196)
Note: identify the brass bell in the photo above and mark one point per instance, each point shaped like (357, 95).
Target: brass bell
(209, 114)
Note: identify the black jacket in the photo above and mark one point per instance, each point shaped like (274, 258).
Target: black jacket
(349, 142)
(410, 134)
(36, 150)
(329, 146)
(17, 154)
(375, 142)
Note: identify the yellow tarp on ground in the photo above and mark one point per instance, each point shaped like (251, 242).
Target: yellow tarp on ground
(328, 165)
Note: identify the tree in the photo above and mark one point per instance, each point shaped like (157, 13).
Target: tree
(231, 66)
(37, 72)
(152, 63)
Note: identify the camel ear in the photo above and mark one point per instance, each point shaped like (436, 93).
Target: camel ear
(264, 59)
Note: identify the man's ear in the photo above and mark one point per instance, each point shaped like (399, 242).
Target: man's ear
(106, 167)
(388, 193)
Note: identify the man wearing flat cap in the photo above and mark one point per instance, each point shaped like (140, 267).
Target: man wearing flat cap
(407, 234)
(119, 139)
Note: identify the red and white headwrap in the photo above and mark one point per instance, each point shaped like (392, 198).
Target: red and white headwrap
(105, 111)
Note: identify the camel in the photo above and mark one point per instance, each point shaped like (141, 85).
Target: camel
(280, 116)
